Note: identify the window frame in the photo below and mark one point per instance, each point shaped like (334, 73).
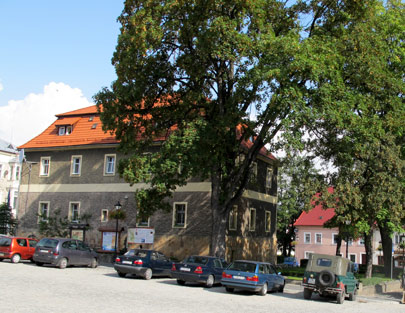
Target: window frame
(113, 155)
(106, 215)
(70, 215)
(61, 130)
(306, 254)
(316, 238)
(42, 167)
(252, 227)
(333, 238)
(174, 218)
(269, 177)
(41, 219)
(140, 224)
(305, 238)
(267, 221)
(233, 218)
(72, 165)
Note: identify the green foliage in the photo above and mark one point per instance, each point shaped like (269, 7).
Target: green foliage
(118, 214)
(8, 224)
(191, 74)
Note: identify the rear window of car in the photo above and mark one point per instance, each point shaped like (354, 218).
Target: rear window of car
(243, 267)
(324, 262)
(48, 243)
(138, 253)
(197, 260)
(5, 242)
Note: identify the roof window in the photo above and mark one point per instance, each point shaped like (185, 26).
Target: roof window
(65, 130)
(94, 126)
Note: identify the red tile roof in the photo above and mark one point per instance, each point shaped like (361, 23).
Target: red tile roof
(317, 216)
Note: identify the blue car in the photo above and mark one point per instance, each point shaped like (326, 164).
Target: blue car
(290, 261)
(252, 276)
(206, 270)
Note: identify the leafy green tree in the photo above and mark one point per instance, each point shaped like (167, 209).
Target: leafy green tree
(360, 90)
(296, 181)
(189, 75)
(8, 224)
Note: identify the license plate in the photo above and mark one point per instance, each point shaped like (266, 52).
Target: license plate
(185, 269)
(126, 262)
(45, 251)
(238, 277)
(311, 281)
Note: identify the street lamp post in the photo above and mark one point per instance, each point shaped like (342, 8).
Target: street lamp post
(117, 208)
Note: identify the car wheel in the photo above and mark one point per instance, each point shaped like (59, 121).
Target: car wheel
(281, 289)
(39, 263)
(326, 278)
(340, 298)
(307, 293)
(93, 263)
(210, 281)
(121, 274)
(63, 263)
(229, 289)
(15, 258)
(181, 282)
(353, 295)
(263, 291)
(1, 260)
(148, 274)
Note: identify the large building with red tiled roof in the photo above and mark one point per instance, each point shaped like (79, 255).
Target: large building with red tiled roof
(71, 167)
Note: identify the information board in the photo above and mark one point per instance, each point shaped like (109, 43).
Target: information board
(141, 235)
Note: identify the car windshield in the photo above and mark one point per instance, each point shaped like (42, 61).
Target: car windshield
(47, 243)
(5, 242)
(197, 260)
(138, 253)
(243, 267)
(289, 259)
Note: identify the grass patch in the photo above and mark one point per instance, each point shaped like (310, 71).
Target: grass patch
(293, 278)
(375, 280)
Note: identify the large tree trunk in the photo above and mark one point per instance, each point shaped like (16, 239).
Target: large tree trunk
(386, 242)
(338, 245)
(368, 239)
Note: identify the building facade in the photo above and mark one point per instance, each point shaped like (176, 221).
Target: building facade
(10, 173)
(72, 168)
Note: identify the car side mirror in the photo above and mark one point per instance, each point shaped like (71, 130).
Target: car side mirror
(279, 273)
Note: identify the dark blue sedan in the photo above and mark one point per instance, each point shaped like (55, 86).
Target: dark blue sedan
(252, 276)
(206, 270)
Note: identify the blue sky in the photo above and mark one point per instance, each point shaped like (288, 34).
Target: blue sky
(51, 48)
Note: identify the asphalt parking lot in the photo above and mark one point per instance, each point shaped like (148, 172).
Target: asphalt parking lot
(26, 287)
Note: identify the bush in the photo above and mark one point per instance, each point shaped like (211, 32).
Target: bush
(293, 271)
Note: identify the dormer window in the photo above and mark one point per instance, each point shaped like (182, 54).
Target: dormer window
(65, 130)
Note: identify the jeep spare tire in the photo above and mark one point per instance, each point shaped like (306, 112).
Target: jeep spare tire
(326, 278)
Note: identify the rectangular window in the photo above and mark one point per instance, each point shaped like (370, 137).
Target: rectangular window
(74, 211)
(109, 164)
(268, 221)
(61, 130)
(43, 211)
(10, 177)
(17, 173)
(335, 238)
(45, 166)
(253, 176)
(252, 219)
(307, 254)
(233, 218)
(76, 165)
(352, 257)
(179, 215)
(68, 130)
(104, 215)
(269, 178)
(307, 237)
(142, 221)
(361, 242)
(396, 240)
(318, 238)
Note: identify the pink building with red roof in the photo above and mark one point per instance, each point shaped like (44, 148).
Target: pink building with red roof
(313, 237)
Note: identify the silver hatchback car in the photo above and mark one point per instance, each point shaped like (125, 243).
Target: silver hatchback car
(63, 252)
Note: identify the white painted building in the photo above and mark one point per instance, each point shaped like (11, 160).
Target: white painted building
(10, 173)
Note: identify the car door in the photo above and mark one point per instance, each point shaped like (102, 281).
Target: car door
(31, 249)
(71, 252)
(85, 253)
(218, 268)
(277, 279)
(160, 263)
(22, 247)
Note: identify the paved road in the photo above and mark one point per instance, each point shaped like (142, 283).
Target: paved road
(26, 287)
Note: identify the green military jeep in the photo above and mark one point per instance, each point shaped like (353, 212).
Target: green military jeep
(330, 275)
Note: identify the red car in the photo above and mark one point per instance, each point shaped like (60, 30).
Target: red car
(17, 248)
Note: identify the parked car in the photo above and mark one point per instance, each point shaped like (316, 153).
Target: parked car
(206, 270)
(63, 252)
(144, 263)
(252, 276)
(17, 248)
(290, 261)
(330, 275)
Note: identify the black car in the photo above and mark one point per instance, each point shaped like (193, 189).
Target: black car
(206, 270)
(144, 263)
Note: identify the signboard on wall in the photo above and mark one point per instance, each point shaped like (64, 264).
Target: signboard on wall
(108, 243)
(141, 235)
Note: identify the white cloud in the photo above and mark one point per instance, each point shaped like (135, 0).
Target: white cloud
(22, 120)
